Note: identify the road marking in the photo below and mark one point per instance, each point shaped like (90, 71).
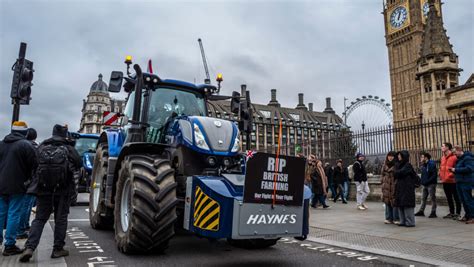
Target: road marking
(88, 246)
(331, 250)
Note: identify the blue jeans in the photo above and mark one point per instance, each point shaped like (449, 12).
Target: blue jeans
(346, 189)
(465, 195)
(28, 203)
(391, 213)
(10, 210)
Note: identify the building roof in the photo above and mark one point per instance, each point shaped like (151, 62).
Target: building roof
(469, 84)
(435, 41)
(99, 86)
(272, 114)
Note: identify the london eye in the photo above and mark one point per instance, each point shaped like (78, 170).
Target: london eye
(367, 112)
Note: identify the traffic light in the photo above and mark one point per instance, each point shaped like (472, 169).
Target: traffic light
(22, 79)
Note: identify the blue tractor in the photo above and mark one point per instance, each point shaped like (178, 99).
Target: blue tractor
(85, 144)
(169, 165)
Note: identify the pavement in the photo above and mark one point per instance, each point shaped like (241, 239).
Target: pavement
(433, 241)
(339, 236)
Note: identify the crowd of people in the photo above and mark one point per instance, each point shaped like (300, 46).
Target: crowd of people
(399, 182)
(41, 175)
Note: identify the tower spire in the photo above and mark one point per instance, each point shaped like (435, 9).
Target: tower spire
(434, 41)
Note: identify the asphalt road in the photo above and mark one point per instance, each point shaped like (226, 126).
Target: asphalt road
(89, 247)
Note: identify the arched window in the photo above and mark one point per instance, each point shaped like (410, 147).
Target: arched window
(428, 87)
(440, 85)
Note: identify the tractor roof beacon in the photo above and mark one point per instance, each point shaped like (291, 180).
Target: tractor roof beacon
(150, 173)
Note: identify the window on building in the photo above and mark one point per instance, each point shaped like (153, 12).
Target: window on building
(99, 109)
(428, 87)
(295, 116)
(265, 113)
(440, 85)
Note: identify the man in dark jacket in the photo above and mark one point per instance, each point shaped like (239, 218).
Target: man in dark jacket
(29, 199)
(464, 174)
(328, 170)
(56, 200)
(360, 178)
(429, 180)
(17, 162)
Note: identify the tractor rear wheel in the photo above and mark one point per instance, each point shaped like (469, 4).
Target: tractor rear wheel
(252, 243)
(145, 204)
(100, 216)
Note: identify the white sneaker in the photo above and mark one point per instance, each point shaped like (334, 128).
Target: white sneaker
(365, 207)
(360, 207)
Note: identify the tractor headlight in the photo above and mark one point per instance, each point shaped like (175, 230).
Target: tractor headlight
(236, 147)
(199, 139)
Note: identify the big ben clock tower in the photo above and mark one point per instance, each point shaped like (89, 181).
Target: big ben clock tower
(404, 24)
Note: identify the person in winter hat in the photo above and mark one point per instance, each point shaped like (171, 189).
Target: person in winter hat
(360, 179)
(17, 162)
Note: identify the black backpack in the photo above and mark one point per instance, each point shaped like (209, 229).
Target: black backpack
(52, 167)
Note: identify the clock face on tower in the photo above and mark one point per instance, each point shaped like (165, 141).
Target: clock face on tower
(398, 17)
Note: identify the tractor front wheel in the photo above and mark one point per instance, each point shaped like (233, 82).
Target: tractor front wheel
(100, 216)
(145, 204)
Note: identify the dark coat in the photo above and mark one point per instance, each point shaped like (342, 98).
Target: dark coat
(317, 182)
(464, 170)
(406, 179)
(17, 162)
(75, 163)
(329, 174)
(340, 175)
(388, 183)
(429, 174)
(360, 174)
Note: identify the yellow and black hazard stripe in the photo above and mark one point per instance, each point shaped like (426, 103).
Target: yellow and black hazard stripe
(206, 211)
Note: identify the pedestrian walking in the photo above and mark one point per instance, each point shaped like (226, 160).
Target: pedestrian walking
(347, 184)
(388, 189)
(464, 174)
(29, 199)
(57, 162)
(17, 162)
(429, 180)
(329, 172)
(406, 182)
(319, 182)
(340, 176)
(360, 178)
(448, 161)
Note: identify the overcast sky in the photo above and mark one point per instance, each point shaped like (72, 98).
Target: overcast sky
(323, 48)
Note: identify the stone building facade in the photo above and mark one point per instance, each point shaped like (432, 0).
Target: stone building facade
(304, 129)
(424, 69)
(97, 102)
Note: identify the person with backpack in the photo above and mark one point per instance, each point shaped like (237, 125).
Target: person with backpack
(429, 180)
(57, 160)
(29, 199)
(448, 161)
(406, 182)
(17, 162)
(360, 178)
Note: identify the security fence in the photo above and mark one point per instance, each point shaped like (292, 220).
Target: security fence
(332, 142)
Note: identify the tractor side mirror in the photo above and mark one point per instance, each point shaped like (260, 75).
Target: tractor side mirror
(115, 83)
(235, 102)
(124, 120)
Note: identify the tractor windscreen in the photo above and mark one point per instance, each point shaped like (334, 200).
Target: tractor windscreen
(166, 103)
(86, 145)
